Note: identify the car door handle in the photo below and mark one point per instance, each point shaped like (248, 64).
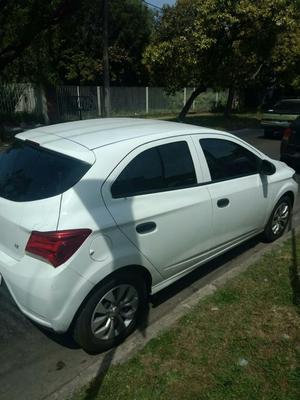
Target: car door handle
(222, 203)
(146, 227)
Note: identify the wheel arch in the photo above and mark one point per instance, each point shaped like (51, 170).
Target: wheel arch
(132, 269)
(291, 195)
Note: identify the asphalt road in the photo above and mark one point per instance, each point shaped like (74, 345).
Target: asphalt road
(34, 364)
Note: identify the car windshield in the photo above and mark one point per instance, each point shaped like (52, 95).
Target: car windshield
(288, 106)
(29, 172)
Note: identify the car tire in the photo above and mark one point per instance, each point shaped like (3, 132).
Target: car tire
(111, 312)
(278, 220)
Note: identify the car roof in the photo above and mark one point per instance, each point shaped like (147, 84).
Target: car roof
(94, 133)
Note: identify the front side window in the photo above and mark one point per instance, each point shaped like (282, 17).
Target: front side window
(166, 167)
(228, 160)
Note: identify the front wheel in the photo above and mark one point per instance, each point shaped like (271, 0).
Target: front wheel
(278, 220)
(111, 313)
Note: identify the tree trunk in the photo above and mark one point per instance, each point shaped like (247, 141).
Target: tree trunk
(188, 104)
(229, 103)
(106, 78)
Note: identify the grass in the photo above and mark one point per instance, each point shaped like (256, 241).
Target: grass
(219, 121)
(241, 343)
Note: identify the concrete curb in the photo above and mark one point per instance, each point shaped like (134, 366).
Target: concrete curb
(138, 340)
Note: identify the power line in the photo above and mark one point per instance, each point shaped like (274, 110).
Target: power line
(152, 5)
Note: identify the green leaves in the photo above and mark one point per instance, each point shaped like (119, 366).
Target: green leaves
(60, 41)
(223, 43)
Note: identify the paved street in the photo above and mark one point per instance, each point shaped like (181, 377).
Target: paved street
(34, 363)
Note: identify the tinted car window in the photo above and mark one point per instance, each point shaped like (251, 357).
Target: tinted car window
(142, 174)
(288, 106)
(29, 172)
(164, 167)
(227, 160)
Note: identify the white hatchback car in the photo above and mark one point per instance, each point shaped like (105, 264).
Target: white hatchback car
(96, 215)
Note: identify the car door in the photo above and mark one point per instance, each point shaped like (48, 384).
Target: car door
(238, 192)
(155, 198)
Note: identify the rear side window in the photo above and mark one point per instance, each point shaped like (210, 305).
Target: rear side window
(166, 167)
(228, 160)
(29, 172)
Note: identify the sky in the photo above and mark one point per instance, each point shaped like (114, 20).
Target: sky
(159, 3)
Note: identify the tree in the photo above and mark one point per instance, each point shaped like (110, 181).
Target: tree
(79, 57)
(69, 49)
(223, 44)
(21, 23)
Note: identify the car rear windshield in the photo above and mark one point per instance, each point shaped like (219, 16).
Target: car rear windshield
(286, 106)
(29, 172)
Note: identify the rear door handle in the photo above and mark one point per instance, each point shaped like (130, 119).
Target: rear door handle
(146, 227)
(223, 203)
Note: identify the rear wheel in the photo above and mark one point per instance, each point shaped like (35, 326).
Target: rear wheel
(111, 313)
(278, 220)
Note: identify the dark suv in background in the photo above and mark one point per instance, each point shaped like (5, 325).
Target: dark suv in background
(290, 145)
(277, 119)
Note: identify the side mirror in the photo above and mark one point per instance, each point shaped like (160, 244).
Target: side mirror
(267, 168)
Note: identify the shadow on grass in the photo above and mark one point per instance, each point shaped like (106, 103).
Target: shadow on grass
(198, 278)
(94, 389)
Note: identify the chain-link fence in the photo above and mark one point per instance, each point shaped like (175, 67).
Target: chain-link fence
(20, 97)
(67, 103)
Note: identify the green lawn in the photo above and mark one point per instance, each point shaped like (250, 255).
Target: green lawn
(242, 343)
(219, 121)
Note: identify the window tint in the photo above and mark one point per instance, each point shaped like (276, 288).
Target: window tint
(287, 106)
(143, 174)
(29, 172)
(164, 167)
(178, 167)
(227, 160)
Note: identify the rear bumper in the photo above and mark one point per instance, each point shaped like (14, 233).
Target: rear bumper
(29, 313)
(48, 296)
(275, 124)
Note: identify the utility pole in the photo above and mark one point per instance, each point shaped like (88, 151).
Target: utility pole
(106, 80)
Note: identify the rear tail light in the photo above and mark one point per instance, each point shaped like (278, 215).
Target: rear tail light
(287, 134)
(56, 247)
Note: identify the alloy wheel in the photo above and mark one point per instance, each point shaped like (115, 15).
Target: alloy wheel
(280, 218)
(114, 312)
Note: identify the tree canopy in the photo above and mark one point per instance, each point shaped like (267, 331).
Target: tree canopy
(60, 41)
(233, 44)
(225, 44)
